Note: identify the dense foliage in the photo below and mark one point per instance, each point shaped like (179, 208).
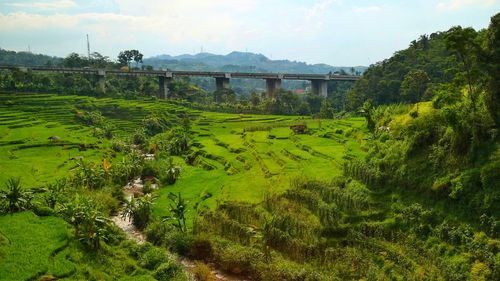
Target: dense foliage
(414, 195)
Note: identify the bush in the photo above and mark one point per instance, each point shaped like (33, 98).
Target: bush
(43, 211)
(139, 210)
(152, 258)
(166, 271)
(151, 169)
(202, 272)
(118, 146)
(239, 259)
(159, 232)
(201, 248)
(138, 138)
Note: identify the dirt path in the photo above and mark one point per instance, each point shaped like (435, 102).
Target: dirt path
(135, 187)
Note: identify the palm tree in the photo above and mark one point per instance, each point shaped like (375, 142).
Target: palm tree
(15, 199)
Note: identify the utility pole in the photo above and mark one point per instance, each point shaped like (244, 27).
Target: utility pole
(88, 47)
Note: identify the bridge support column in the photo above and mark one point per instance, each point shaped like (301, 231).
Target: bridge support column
(163, 83)
(221, 83)
(320, 87)
(101, 80)
(272, 84)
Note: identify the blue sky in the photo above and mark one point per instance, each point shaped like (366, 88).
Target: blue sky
(337, 32)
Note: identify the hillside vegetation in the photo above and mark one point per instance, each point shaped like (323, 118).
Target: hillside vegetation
(407, 189)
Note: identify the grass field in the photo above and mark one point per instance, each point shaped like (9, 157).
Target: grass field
(22, 255)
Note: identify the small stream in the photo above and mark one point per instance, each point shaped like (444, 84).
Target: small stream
(134, 188)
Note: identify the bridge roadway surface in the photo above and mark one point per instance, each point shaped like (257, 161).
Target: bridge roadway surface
(273, 80)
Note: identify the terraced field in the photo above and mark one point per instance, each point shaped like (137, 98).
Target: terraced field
(238, 157)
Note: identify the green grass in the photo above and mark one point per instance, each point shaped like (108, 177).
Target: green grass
(266, 169)
(30, 245)
(253, 154)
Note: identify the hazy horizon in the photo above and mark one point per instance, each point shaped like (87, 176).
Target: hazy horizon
(334, 32)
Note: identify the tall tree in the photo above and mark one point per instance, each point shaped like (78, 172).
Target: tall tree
(137, 57)
(125, 57)
(463, 42)
(492, 61)
(414, 86)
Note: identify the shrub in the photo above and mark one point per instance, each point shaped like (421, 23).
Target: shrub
(139, 210)
(154, 125)
(138, 138)
(89, 176)
(201, 248)
(159, 232)
(166, 271)
(151, 169)
(15, 198)
(239, 259)
(118, 146)
(91, 227)
(43, 211)
(152, 258)
(202, 272)
(172, 173)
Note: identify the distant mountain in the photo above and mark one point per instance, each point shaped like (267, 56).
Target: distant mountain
(242, 62)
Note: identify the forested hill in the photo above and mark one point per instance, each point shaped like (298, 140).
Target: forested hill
(447, 150)
(243, 62)
(27, 58)
(427, 59)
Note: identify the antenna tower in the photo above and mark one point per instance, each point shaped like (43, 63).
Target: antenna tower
(88, 47)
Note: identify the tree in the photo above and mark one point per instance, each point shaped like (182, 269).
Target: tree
(492, 61)
(125, 57)
(326, 110)
(137, 57)
(98, 60)
(464, 44)
(75, 60)
(367, 111)
(414, 86)
(255, 99)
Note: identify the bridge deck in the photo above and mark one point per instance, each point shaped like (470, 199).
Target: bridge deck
(177, 73)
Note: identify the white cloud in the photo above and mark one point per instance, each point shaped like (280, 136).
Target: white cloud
(313, 17)
(47, 5)
(126, 29)
(367, 9)
(452, 5)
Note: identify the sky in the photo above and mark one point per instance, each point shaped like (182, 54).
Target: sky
(336, 32)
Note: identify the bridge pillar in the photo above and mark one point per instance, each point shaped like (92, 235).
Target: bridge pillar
(272, 84)
(320, 87)
(101, 80)
(163, 83)
(221, 83)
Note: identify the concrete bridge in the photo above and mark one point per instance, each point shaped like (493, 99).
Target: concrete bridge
(319, 82)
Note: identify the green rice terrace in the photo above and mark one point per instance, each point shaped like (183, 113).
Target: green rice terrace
(114, 189)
